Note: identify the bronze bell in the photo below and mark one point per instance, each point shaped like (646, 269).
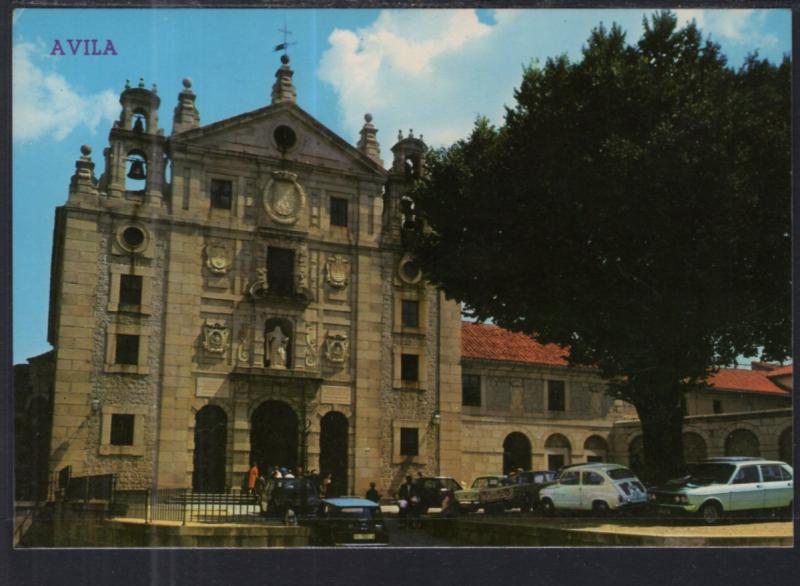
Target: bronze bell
(137, 170)
(138, 126)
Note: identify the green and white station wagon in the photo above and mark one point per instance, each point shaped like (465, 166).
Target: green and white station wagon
(721, 485)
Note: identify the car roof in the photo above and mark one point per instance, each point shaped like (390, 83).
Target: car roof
(350, 502)
(740, 460)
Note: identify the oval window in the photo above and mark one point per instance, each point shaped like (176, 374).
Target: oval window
(133, 237)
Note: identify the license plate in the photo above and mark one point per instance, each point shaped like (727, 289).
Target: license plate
(363, 536)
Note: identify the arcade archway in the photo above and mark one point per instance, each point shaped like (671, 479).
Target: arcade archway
(516, 452)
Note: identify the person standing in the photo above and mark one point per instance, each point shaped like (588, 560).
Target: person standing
(405, 498)
(252, 478)
(325, 486)
(372, 493)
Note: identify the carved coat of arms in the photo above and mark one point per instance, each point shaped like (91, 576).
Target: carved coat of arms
(284, 199)
(336, 346)
(216, 335)
(336, 270)
(218, 259)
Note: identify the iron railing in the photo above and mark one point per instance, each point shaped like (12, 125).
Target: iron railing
(183, 505)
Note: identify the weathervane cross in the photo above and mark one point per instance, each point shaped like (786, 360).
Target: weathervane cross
(285, 44)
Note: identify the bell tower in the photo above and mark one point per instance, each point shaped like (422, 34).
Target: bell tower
(407, 167)
(135, 158)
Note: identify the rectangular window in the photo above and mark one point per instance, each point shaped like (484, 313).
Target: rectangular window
(127, 349)
(221, 194)
(122, 429)
(471, 390)
(555, 395)
(717, 406)
(410, 313)
(409, 368)
(338, 211)
(409, 441)
(130, 290)
(280, 270)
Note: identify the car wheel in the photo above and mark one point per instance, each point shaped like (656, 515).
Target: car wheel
(548, 507)
(600, 508)
(711, 513)
(527, 504)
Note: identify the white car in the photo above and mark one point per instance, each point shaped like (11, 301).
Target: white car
(597, 487)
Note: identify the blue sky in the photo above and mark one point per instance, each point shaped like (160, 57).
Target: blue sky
(433, 71)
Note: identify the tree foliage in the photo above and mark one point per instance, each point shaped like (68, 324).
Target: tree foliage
(634, 206)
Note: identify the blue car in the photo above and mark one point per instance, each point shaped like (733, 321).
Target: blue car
(349, 521)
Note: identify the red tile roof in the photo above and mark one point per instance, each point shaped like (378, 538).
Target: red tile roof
(752, 381)
(780, 371)
(490, 342)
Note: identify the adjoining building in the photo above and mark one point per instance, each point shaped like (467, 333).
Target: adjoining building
(240, 293)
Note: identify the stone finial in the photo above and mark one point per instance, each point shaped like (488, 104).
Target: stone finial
(141, 82)
(127, 84)
(368, 143)
(83, 182)
(399, 135)
(185, 116)
(283, 89)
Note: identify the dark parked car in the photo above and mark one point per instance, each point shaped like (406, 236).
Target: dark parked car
(432, 490)
(349, 522)
(531, 482)
(278, 495)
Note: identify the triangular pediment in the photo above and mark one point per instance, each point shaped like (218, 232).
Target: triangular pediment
(254, 133)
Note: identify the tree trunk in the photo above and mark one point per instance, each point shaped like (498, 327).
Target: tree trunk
(661, 415)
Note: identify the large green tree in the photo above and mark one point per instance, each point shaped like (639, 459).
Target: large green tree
(634, 207)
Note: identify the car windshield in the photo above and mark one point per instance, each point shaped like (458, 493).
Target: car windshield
(451, 484)
(620, 473)
(710, 473)
(373, 513)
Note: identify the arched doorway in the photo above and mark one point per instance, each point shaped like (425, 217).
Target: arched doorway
(785, 446)
(210, 437)
(559, 451)
(694, 447)
(636, 454)
(273, 435)
(516, 452)
(333, 451)
(595, 448)
(742, 442)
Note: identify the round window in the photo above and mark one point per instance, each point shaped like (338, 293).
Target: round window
(133, 237)
(411, 270)
(285, 137)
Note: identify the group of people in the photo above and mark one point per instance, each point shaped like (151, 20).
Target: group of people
(256, 479)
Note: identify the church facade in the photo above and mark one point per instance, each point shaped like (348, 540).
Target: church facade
(240, 293)
(258, 307)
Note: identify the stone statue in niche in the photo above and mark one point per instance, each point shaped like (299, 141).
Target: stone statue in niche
(215, 336)
(336, 346)
(311, 346)
(336, 271)
(277, 345)
(217, 257)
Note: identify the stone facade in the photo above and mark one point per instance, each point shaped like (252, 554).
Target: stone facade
(257, 304)
(266, 273)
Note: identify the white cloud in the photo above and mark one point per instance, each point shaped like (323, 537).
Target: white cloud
(738, 27)
(44, 104)
(439, 69)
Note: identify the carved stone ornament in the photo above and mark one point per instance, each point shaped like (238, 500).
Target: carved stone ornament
(336, 346)
(311, 346)
(215, 336)
(337, 269)
(218, 259)
(276, 348)
(242, 349)
(258, 288)
(284, 199)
